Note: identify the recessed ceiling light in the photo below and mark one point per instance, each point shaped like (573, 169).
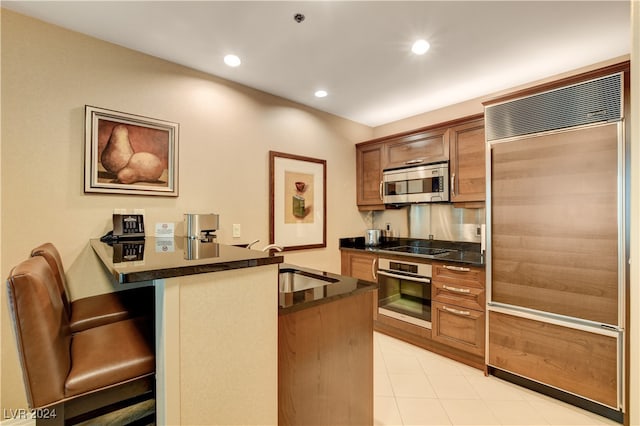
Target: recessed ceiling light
(321, 93)
(232, 60)
(420, 47)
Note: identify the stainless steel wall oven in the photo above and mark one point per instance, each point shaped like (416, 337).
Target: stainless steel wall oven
(404, 291)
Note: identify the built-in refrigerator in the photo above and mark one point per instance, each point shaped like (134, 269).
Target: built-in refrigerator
(556, 242)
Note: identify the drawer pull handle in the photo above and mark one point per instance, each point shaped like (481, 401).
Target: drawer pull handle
(418, 161)
(457, 268)
(456, 311)
(456, 289)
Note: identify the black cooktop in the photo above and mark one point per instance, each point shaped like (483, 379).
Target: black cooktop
(424, 251)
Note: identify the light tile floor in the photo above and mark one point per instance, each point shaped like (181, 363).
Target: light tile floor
(413, 386)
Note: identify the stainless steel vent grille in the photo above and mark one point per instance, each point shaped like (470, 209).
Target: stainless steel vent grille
(593, 101)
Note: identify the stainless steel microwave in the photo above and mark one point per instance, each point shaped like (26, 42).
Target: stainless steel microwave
(427, 183)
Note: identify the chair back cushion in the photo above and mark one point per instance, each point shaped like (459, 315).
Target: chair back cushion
(52, 256)
(41, 328)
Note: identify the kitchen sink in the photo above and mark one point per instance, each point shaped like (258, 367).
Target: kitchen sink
(291, 280)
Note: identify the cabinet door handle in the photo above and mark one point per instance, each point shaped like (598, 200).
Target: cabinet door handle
(457, 268)
(414, 161)
(453, 184)
(374, 268)
(380, 191)
(456, 311)
(456, 289)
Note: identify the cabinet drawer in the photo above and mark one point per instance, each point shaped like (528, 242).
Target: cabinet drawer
(458, 327)
(471, 297)
(458, 274)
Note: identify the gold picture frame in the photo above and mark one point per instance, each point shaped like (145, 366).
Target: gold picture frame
(129, 154)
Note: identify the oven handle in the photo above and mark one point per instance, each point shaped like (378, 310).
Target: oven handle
(404, 277)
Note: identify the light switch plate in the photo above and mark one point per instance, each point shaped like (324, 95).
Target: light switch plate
(236, 230)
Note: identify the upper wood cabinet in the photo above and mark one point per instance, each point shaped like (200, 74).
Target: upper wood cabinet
(369, 165)
(467, 162)
(417, 148)
(460, 141)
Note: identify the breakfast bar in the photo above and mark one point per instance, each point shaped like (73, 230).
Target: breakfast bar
(214, 304)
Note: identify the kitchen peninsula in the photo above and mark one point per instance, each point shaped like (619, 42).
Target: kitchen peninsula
(215, 304)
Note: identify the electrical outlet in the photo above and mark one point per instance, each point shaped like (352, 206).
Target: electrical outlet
(236, 230)
(479, 231)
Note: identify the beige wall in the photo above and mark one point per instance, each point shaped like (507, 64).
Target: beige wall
(226, 131)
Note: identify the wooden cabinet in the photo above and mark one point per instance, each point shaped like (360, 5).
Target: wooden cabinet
(369, 164)
(361, 265)
(467, 161)
(417, 148)
(325, 364)
(577, 361)
(458, 307)
(461, 142)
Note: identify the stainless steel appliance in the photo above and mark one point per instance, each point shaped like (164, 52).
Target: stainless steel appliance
(200, 226)
(417, 184)
(372, 237)
(404, 291)
(556, 254)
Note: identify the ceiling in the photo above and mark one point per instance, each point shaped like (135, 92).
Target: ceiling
(359, 51)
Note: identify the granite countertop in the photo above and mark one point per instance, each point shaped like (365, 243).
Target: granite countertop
(462, 252)
(336, 287)
(157, 258)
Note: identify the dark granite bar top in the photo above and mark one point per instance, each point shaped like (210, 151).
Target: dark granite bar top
(335, 287)
(461, 251)
(156, 258)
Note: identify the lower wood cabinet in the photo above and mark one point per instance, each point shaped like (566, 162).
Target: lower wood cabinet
(364, 266)
(458, 307)
(458, 327)
(576, 361)
(325, 364)
(458, 297)
(359, 264)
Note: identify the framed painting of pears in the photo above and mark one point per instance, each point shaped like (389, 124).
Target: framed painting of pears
(130, 154)
(298, 198)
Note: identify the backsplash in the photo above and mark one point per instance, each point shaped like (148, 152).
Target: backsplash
(438, 221)
(445, 222)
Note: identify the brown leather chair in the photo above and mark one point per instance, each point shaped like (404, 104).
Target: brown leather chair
(71, 377)
(97, 310)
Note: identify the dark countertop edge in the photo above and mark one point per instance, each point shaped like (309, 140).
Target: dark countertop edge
(134, 277)
(357, 244)
(164, 273)
(362, 286)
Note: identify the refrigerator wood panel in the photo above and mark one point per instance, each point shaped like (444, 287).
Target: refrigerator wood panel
(554, 223)
(575, 361)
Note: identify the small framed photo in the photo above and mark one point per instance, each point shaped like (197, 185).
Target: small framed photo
(298, 198)
(130, 154)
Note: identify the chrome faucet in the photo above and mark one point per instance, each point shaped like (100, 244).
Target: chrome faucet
(272, 247)
(251, 243)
